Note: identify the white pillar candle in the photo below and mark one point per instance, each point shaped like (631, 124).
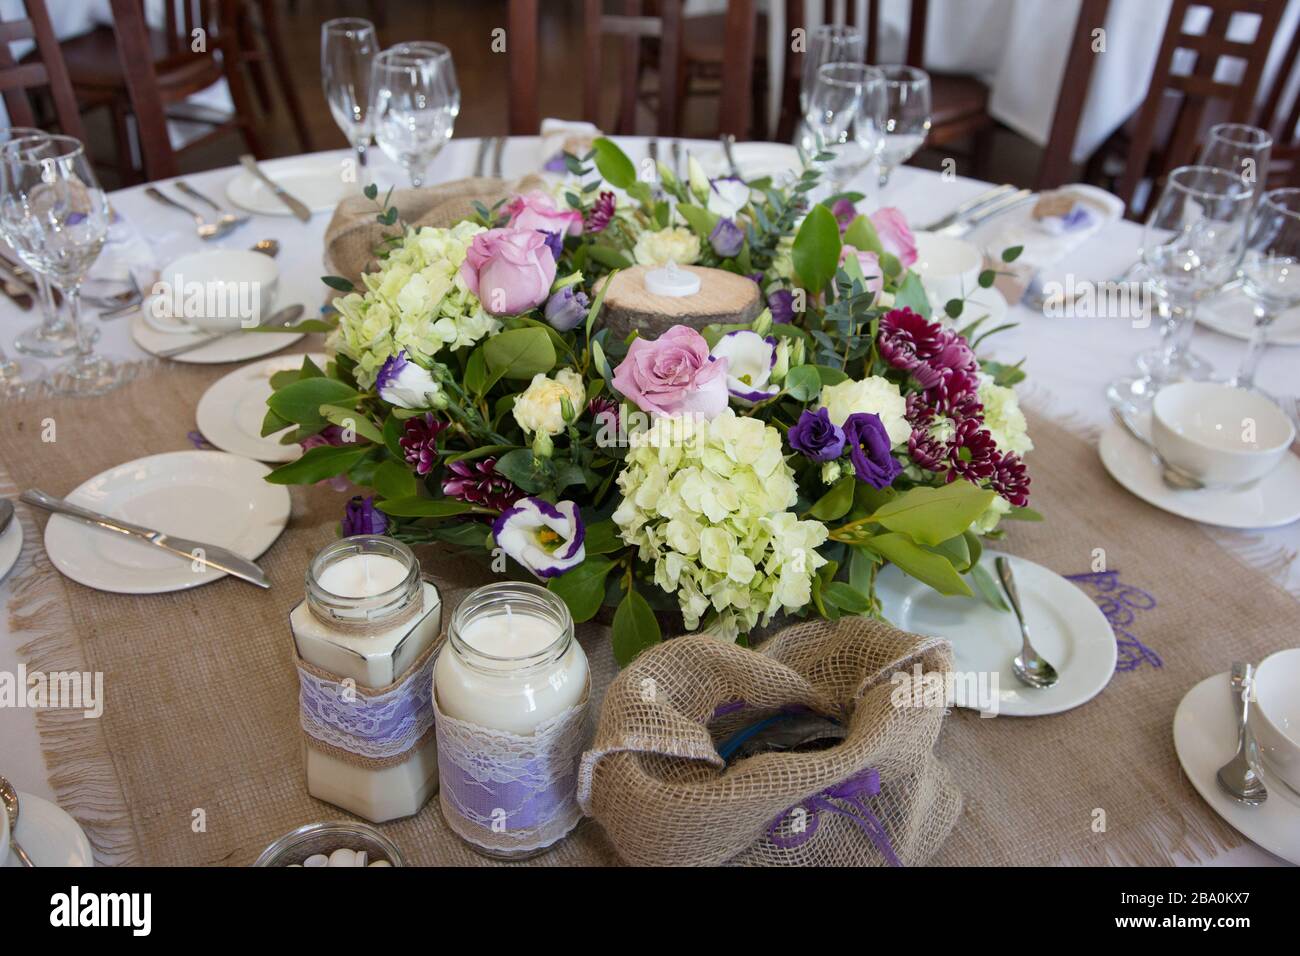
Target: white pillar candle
(672, 281)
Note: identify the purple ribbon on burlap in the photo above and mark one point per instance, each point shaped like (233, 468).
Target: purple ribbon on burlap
(854, 791)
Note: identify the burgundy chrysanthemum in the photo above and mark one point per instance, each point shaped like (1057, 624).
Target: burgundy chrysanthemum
(954, 392)
(928, 451)
(476, 481)
(602, 211)
(907, 339)
(973, 454)
(603, 411)
(1010, 479)
(419, 441)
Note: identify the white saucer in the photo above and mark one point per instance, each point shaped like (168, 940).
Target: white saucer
(1069, 631)
(1233, 314)
(316, 181)
(233, 348)
(49, 835)
(1269, 503)
(230, 412)
(11, 545)
(208, 496)
(1205, 737)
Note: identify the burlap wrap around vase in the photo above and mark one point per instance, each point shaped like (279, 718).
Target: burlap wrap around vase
(656, 783)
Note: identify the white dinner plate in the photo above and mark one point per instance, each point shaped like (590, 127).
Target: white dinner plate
(230, 412)
(11, 545)
(49, 835)
(232, 348)
(1233, 313)
(319, 182)
(1269, 503)
(1205, 738)
(1068, 629)
(754, 160)
(207, 496)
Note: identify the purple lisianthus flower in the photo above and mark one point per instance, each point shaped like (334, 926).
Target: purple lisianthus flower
(781, 302)
(602, 211)
(476, 482)
(402, 383)
(750, 359)
(844, 212)
(727, 238)
(869, 447)
(556, 164)
(361, 517)
(419, 441)
(545, 538)
(554, 242)
(566, 309)
(816, 437)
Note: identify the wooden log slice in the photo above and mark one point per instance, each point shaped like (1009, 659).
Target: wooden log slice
(724, 297)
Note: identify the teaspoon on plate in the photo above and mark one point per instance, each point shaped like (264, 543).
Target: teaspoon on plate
(9, 797)
(1028, 665)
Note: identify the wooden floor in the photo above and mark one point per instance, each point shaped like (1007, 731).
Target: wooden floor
(466, 27)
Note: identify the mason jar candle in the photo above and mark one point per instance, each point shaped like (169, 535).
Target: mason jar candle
(510, 691)
(365, 639)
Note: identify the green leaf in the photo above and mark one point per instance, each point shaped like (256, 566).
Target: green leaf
(926, 566)
(803, 382)
(338, 283)
(583, 588)
(603, 538)
(272, 423)
(394, 427)
(816, 251)
(317, 464)
(301, 401)
(635, 628)
(519, 353)
(845, 598)
(861, 234)
(347, 418)
(393, 480)
(701, 221)
(476, 376)
(987, 278)
(526, 470)
(836, 502)
(956, 550)
(1012, 253)
(911, 295)
(608, 256)
(594, 312)
(861, 565)
(988, 588)
(415, 506)
(933, 515)
(613, 163)
(1023, 514)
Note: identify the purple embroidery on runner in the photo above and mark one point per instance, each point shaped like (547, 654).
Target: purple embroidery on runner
(1121, 603)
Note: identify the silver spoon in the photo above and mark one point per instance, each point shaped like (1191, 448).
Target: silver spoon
(6, 514)
(224, 216)
(206, 230)
(728, 141)
(1028, 665)
(285, 316)
(9, 796)
(1172, 477)
(268, 247)
(1238, 776)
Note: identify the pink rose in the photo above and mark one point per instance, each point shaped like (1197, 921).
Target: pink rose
(870, 263)
(894, 235)
(510, 270)
(673, 375)
(536, 210)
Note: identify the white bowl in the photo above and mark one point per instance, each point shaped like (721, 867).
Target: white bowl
(949, 268)
(217, 290)
(1276, 717)
(1219, 434)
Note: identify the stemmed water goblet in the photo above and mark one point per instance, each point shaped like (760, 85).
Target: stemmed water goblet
(416, 101)
(348, 47)
(844, 116)
(1270, 270)
(907, 116)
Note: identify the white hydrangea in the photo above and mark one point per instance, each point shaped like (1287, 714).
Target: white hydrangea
(706, 503)
(675, 244)
(540, 407)
(873, 394)
(416, 301)
(1003, 417)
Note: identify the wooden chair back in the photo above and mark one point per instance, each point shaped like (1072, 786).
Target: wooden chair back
(1056, 166)
(49, 71)
(138, 69)
(1281, 121)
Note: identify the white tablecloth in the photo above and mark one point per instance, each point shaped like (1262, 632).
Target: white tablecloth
(1069, 360)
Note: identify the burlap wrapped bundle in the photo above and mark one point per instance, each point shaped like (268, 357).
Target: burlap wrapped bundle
(654, 780)
(354, 234)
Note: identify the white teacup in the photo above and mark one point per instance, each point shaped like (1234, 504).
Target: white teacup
(218, 290)
(1276, 717)
(949, 268)
(1217, 434)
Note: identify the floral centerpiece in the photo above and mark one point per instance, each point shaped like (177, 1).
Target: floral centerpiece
(728, 474)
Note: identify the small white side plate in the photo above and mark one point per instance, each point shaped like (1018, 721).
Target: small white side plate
(230, 412)
(207, 496)
(1269, 503)
(49, 835)
(316, 181)
(1068, 629)
(11, 545)
(1233, 314)
(1205, 738)
(233, 348)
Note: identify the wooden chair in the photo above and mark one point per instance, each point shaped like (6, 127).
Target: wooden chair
(1284, 161)
(45, 70)
(1056, 166)
(261, 43)
(788, 116)
(1196, 91)
(104, 74)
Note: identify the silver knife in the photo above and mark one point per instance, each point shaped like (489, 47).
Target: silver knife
(209, 555)
(285, 316)
(295, 205)
(969, 206)
(992, 210)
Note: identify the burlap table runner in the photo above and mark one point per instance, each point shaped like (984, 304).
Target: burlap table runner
(197, 758)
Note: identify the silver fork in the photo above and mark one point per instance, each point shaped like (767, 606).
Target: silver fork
(1238, 777)
(224, 216)
(206, 230)
(484, 144)
(496, 156)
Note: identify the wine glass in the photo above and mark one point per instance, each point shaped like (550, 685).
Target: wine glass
(835, 112)
(1239, 149)
(56, 216)
(1192, 244)
(416, 101)
(828, 44)
(907, 116)
(1271, 270)
(347, 52)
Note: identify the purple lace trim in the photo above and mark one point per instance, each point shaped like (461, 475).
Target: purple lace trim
(1121, 604)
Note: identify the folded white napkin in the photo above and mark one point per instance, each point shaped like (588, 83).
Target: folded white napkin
(1050, 239)
(560, 136)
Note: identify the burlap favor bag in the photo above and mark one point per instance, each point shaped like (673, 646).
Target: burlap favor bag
(655, 781)
(354, 233)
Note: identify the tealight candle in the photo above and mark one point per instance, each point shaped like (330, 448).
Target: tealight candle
(510, 690)
(364, 637)
(672, 281)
